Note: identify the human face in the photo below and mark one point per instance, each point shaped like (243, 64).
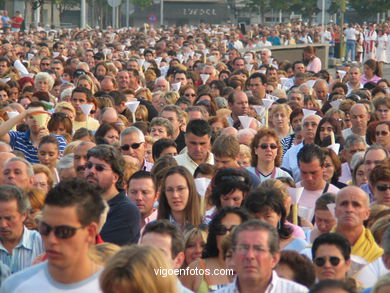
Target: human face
(172, 117)
(309, 129)
(138, 153)
(43, 85)
(177, 193)
(299, 68)
(368, 72)
(181, 77)
(41, 182)
(297, 97)
(232, 199)
(269, 216)
(48, 154)
(280, 120)
(225, 162)
(329, 169)
(78, 99)
(197, 147)
(383, 113)
(30, 221)
(217, 126)
(143, 194)
(161, 85)
(359, 117)
(101, 70)
(80, 159)
(324, 220)
(325, 130)
(15, 173)
(84, 83)
(252, 257)
(268, 154)
(239, 64)
(66, 254)
(353, 149)
(373, 158)
(240, 105)
(3, 96)
(229, 221)
(194, 249)
(352, 207)
(123, 79)
(354, 75)
(190, 93)
(361, 177)
(256, 87)
(112, 136)
(105, 179)
(297, 121)
(11, 221)
(169, 151)
(329, 271)
(382, 135)
(312, 174)
(158, 131)
(381, 197)
(3, 68)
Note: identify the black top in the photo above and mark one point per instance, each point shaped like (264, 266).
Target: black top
(180, 142)
(123, 221)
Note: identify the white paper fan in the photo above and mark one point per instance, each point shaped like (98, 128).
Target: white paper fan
(86, 108)
(307, 112)
(336, 103)
(335, 147)
(295, 193)
(332, 209)
(175, 86)
(245, 121)
(249, 67)
(267, 103)
(132, 106)
(204, 77)
(201, 185)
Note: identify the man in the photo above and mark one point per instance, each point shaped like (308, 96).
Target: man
(265, 56)
(80, 157)
(4, 157)
(161, 84)
(351, 36)
(108, 84)
(19, 246)
(132, 143)
(245, 136)
(174, 114)
(297, 96)
(256, 253)
(299, 67)
(143, 192)
(196, 112)
(161, 128)
(82, 96)
(105, 168)
(239, 105)
(57, 66)
(352, 209)
(238, 63)
(180, 76)
(359, 119)
(226, 150)
(68, 227)
(354, 75)
(65, 167)
(18, 172)
(353, 144)
(257, 84)
(198, 142)
(169, 239)
(311, 162)
(331, 256)
(123, 80)
(320, 87)
(290, 161)
(28, 142)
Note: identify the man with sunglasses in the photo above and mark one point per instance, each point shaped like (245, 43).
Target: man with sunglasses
(105, 168)
(352, 209)
(132, 143)
(331, 256)
(69, 225)
(311, 162)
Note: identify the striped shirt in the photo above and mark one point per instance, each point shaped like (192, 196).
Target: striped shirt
(23, 255)
(20, 141)
(277, 285)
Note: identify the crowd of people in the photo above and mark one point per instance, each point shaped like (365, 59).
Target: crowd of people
(179, 161)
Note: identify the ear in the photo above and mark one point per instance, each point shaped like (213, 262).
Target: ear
(348, 264)
(275, 259)
(178, 260)
(386, 260)
(92, 229)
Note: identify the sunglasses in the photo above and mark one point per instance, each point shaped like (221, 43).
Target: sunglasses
(62, 232)
(190, 95)
(45, 64)
(265, 146)
(382, 187)
(320, 261)
(60, 114)
(134, 146)
(222, 230)
(98, 168)
(382, 133)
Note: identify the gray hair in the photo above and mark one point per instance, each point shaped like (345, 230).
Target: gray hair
(11, 192)
(376, 147)
(353, 139)
(44, 76)
(160, 121)
(29, 167)
(66, 163)
(130, 130)
(66, 92)
(176, 109)
(294, 91)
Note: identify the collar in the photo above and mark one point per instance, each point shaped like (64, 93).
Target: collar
(270, 288)
(209, 159)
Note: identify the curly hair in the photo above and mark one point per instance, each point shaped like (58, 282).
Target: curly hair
(266, 132)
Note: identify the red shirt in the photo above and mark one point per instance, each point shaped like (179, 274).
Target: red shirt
(16, 22)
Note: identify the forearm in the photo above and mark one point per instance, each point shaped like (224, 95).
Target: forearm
(6, 126)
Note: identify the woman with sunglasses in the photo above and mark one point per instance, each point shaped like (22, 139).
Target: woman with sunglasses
(179, 201)
(382, 134)
(188, 91)
(266, 204)
(267, 155)
(213, 259)
(379, 181)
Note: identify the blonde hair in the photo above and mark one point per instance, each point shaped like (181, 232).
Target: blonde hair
(148, 96)
(132, 269)
(379, 227)
(65, 106)
(103, 252)
(275, 183)
(39, 168)
(245, 151)
(69, 149)
(170, 97)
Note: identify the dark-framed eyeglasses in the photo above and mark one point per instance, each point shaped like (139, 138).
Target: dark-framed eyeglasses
(381, 187)
(222, 230)
(320, 261)
(62, 232)
(265, 146)
(98, 167)
(381, 133)
(134, 146)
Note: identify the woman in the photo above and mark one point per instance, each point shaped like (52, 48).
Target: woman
(136, 269)
(85, 81)
(280, 117)
(144, 94)
(206, 100)
(325, 128)
(43, 178)
(312, 62)
(266, 204)
(332, 171)
(61, 124)
(194, 243)
(267, 155)
(217, 87)
(36, 197)
(217, 123)
(359, 176)
(382, 134)
(372, 72)
(5, 92)
(221, 226)
(44, 82)
(48, 154)
(66, 108)
(101, 70)
(179, 201)
(107, 133)
(188, 91)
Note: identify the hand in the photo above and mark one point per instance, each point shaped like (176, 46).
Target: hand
(43, 132)
(33, 110)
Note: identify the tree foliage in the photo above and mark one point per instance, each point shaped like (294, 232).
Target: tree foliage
(143, 3)
(369, 7)
(67, 4)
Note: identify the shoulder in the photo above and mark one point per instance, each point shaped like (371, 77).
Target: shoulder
(284, 285)
(12, 283)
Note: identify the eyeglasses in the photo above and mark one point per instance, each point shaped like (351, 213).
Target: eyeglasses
(320, 261)
(381, 133)
(382, 187)
(98, 167)
(45, 64)
(62, 232)
(245, 248)
(265, 146)
(190, 95)
(222, 230)
(312, 124)
(60, 114)
(134, 146)
(179, 189)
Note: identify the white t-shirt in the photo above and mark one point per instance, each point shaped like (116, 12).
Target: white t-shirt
(370, 274)
(38, 279)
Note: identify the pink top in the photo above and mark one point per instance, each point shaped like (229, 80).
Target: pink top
(314, 65)
(297, 231)
(364, 79)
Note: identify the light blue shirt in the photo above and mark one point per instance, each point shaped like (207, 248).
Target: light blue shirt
(290, 161)
(23, 254)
